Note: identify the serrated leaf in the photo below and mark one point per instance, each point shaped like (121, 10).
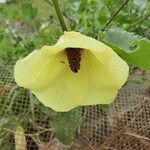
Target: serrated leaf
(122, 43)
(65, 124)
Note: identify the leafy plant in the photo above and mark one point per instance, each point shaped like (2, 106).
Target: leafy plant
(132, 48)
(27, 25)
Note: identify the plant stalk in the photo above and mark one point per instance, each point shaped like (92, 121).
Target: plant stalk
(59, 15)
(115, 14)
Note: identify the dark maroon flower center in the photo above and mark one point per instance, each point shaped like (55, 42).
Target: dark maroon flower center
(74, 58)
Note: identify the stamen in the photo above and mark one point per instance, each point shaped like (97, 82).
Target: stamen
(74, 58)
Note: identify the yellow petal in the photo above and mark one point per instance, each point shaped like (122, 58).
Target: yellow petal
(38, 69)
(95, 83)
(77, 40)
(46, 72)
(66, 91)
(104, 81)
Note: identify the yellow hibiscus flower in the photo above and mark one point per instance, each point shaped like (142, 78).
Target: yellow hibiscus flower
(78, 70)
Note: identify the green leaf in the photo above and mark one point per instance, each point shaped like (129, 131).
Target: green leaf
(132, 48)
(141, 55)
(7, 122)
(65, 124)
(120, 37)
(28, 11)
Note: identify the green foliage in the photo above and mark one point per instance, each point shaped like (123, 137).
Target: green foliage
(6, 124)
(2, 32)
(120, 37)
(65, 124)
(32, 24)
(132, 48)
(140, 57)
(29, 26)
(28, 11)
(26, 25)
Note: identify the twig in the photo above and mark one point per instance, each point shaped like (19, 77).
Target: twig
(38, 133)
(49, 2)
(59, 14)
(109, 148)
(115, 14)
(137, 106)
(32, 105)
(7, 58)
(9, 130)
(12, 95)
(86, 138)
(137, 136)
(138, 22)
(71, 20)
(38, 127)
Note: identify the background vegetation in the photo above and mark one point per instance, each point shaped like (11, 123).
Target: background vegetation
(26, 25)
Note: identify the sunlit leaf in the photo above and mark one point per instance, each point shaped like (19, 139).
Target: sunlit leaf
(120, 37)
(65, 124)
(132, 48)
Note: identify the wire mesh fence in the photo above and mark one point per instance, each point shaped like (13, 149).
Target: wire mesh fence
(122, 125)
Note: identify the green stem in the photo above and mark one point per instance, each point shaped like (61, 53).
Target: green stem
(59, 15)
(138, 22)
(115, 14)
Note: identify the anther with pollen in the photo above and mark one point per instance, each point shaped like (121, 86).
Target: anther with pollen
(74, 58)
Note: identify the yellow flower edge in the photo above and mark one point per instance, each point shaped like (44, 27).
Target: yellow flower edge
(46, 72)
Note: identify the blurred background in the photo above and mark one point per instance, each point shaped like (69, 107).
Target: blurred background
(25, 124)
(26, 25)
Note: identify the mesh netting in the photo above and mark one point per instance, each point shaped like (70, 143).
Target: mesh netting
(125, 124)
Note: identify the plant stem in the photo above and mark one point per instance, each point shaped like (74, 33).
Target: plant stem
(59, 15)
(115, 14)
(138, 22)
(49, 2)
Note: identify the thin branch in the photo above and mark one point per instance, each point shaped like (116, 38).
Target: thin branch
(49, 2)
(59, 14)
(90, 146)
(137, 136)
(115, 14)
(38, 133)
(138, 22)
(71, 20)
